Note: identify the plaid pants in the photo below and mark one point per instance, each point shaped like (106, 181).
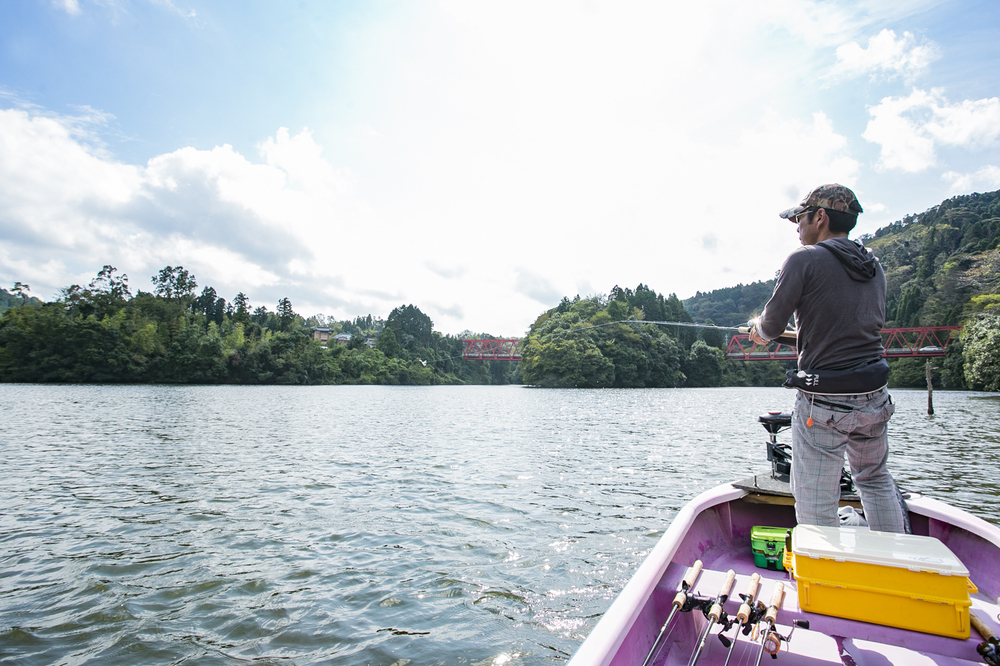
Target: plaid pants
(855, 424)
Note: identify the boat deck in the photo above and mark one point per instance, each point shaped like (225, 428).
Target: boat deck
(722, 543)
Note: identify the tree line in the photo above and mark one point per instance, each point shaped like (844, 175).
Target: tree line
(102, 333)
(942, 268)
(603, 341)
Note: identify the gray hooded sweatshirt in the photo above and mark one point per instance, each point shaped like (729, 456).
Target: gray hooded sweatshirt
(836, 290)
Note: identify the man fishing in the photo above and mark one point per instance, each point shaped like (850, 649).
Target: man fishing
(836, 290)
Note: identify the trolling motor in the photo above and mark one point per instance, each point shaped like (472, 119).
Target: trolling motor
(780, 454)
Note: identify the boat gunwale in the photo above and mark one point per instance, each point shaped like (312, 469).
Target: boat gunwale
(601, 645)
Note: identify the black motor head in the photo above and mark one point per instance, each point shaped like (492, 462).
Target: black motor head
(775, 421)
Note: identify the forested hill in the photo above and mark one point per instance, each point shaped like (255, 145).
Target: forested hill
(941, 265)
(731, 306)
(9, 300)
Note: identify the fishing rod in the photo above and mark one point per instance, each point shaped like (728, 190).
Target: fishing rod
(715, 614)
(689, 324)
(771, 640)
(789, 337)
(746, 617)
(989, 649)
(770, 617)
(680, 601)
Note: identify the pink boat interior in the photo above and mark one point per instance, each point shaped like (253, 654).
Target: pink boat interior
(717, 532)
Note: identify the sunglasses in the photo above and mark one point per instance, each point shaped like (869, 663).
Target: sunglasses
(809, 211)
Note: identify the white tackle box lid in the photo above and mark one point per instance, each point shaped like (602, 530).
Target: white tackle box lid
(859, 544)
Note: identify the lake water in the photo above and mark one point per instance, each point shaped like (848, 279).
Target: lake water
(376, 525)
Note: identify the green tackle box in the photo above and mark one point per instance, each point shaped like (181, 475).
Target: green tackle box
(769, 546)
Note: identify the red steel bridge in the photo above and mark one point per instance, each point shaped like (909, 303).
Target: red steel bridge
(898, 343)
(492, 350)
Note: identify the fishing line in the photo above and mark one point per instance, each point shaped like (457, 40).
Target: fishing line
(580, 329)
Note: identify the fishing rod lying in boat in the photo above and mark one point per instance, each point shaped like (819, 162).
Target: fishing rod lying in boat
(716, 614)
(746, 617)
(989, 649)
(680, 602)
(770, 618)
(770, 640)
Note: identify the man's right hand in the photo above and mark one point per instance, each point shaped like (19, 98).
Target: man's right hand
(754, 335)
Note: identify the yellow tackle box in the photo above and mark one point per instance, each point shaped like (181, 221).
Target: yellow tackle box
(898, 580)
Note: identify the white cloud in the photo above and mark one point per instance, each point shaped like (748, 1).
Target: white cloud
(586, 144)
(886, 55)
(183, 13)
(983, 180)
(235, 224)
(538, 288)
(908, 128)
(71, 6)
(970, 124)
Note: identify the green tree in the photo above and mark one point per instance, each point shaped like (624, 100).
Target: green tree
(116, 286)
(286, 316)
(703, 366)
(241, 308)
(412, 327)
(567, 363)
(388, 344)
(174, 283)
(20, 290)
(712, 336)
(981, 340)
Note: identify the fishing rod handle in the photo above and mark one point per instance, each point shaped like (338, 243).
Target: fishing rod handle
(744, 613)
(980, 626)
(771, 617)
(687, 583)
(692, 575)
(727, 586)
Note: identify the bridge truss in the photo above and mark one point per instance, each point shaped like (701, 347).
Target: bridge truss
(898, 343)
(492, 350)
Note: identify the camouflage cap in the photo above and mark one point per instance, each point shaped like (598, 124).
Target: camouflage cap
(833, 196)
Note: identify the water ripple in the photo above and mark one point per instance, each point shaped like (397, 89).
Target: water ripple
(378, 525)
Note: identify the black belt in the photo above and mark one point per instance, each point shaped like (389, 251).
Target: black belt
(836, 406)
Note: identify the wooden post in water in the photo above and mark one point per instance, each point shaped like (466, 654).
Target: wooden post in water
(930, 391)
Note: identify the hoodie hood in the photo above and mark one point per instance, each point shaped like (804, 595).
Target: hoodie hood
(857, 260)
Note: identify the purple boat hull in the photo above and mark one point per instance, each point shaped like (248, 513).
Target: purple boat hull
(715, 528)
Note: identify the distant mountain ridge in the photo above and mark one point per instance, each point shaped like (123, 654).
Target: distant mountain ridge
(9, 300)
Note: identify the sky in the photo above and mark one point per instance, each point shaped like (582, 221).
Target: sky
(480, 160)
